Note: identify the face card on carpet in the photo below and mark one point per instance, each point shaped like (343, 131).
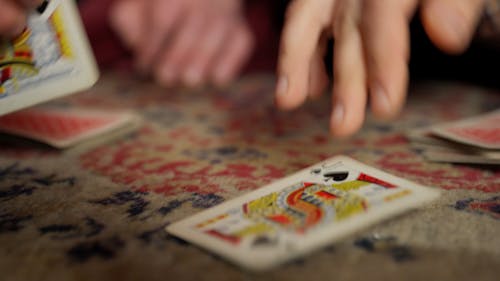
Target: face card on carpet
(300, 213)
(49, 59)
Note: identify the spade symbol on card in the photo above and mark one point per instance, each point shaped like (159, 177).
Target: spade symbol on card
(47, 8)
(336, 176)
(42, 7)
(316, 171)
(264, 241)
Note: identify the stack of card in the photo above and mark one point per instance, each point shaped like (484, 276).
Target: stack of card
(67, 126)
(301, 213)
(473, 140)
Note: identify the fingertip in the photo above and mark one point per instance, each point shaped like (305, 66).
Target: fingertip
(193, 77)
(337, 120)
(165, 76)
(381, 103)
(281, 92)
(126, 20)
(282, 86)
(12, 21)
(117, 15)
(344, 123)
(387, 102)
(305, 20)
(449, 25)
(288, 97)
(222, 78)
(233, 53)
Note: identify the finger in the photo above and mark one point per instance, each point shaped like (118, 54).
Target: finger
(349, 80)
(181, 47)
(385, 34)
(127, 19)
(305, 21)
(163, 18)
(450, 24)
(318, 79)
(231, 59)
(12, 19)
(209, 46)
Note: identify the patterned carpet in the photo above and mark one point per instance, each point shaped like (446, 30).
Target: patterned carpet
(97, 211)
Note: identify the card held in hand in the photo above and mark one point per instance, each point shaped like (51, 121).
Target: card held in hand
(301, 213)
(51, 58)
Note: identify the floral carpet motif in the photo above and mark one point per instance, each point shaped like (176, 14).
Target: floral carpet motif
(97, 211)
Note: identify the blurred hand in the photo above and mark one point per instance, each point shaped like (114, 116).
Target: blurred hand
(371, 52)
(191, 42)
(13, 16)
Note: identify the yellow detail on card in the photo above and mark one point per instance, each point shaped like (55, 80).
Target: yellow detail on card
(255, 229)
(211, 221)
(350, 185)
(64, 42)
(349, 205)
(398, 195)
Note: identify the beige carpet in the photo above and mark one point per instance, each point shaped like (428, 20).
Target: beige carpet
(97, 211)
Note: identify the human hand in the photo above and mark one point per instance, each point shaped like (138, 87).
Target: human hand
(186, 41)
(13, 16)
(371, 52)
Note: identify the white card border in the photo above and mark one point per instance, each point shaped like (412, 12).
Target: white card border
(183, 228)
(79, 81)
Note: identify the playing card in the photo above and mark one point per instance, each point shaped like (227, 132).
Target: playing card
(424, 136)
(63, 127)
(457, 156)
(481, 131)
(437, 149)
(300, 213)
(51, 58)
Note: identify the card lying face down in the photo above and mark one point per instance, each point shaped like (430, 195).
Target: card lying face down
(301, 213)
(481, 131)
(51, 58)
(65, 127)
(473, 140)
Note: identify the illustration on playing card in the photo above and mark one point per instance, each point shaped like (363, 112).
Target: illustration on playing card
(50, 58)
(42, 51)
(301, 212)
(331, 194)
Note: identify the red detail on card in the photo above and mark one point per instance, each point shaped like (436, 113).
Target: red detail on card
(6, 74)
(24, 54)
(326, 195)
(370, 179)
(228, 238)
(312, 213)
(53, 125)
(483, 135)
(281, 219)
